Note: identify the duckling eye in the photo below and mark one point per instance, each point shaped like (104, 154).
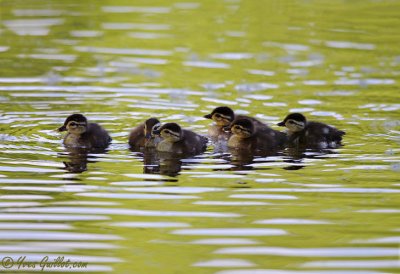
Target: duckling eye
(217, 115)
(167, 131)
(73, 124)
(156, 127)
(291, 122)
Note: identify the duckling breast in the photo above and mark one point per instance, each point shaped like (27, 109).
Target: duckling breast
(165, 146)
(74, 140)
(236, 142)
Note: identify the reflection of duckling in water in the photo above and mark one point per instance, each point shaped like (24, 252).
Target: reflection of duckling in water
(142, 136)
(84, 134)
(247, 135)
(77, 159)
(170, 166)
(223, 117)
(180, 141)
(303, 133)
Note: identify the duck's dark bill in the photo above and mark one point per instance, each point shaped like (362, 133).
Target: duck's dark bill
(63, 128)
(281, 124)
(208, 116)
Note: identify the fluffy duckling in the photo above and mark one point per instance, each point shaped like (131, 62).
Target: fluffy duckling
(246, 135)
(309, 134)
(84, 134)
(223, 117)
(154, 139)
(141, 136)
(180, 141)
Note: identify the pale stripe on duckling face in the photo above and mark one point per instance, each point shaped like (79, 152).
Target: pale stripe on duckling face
(76, 128)
(170, 135)
(152, 138)
(154, 128)
(294, 126)
(241, 132)
(221, 120)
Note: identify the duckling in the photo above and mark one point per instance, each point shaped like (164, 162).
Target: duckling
(154, 139)
(309, 134)
(141, 136)
(84, 134)
(247, 135)
(223, 117)
(180, 141)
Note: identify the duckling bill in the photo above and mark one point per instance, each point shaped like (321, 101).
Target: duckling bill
(180, 141)
(83, 134)
(309, 134)
(143, 136)
(247, 135)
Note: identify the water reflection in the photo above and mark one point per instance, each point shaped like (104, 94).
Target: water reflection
(163, 163)
(289, 159)
(278, 271)
(78, 158)
(313, 252)
(171, 164)
(250, 232)
(224, 263)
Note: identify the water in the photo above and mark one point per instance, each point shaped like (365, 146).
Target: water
(120, 62)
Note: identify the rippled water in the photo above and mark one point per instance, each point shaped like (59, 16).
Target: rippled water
(120, 62)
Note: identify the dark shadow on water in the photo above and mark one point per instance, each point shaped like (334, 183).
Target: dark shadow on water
(170, 164)
(163, 163)
(295, 158)
(78, 158)
(242, 159)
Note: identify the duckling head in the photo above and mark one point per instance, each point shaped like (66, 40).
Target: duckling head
(222, 116)
(170, 132)
(294, 122)
(150, 125)
(243, 128)
(75, 124)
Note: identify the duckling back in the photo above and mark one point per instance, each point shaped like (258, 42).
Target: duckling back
(142, 135)
(267, 139)
(96, 136)
(257, 136)
(136, 136)
(317, 135)
(192, 143)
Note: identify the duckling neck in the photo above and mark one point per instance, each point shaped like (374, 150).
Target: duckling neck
(235, 141)
(295, 133)
(152, 142)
